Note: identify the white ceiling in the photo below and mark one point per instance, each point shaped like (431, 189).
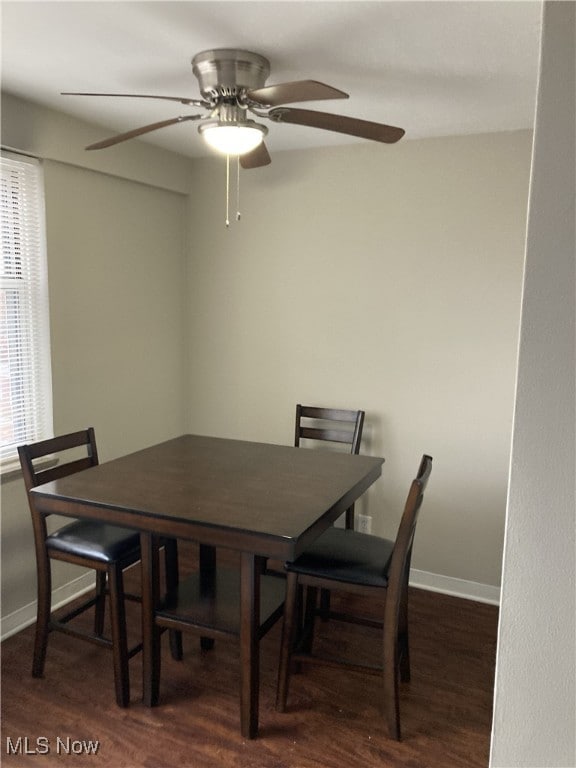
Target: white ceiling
(433, 68)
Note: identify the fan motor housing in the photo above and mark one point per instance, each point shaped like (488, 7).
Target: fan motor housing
(228, 72)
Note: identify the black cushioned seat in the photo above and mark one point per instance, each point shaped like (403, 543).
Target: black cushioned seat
(349, 556)
(97, 541)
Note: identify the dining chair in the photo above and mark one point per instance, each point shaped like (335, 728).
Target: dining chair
(362, 564)
(333, 426)
(329, 425)
(107, 549)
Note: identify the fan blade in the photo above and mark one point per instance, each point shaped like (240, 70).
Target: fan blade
(299, 90)
(339, 123)
(257, 158)
(139, 131)
(181, 99)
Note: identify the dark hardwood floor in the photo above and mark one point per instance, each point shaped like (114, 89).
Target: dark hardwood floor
(332, 720)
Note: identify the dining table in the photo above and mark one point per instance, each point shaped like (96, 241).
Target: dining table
(263, 500)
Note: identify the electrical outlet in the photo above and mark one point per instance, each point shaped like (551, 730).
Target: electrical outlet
(364, 523)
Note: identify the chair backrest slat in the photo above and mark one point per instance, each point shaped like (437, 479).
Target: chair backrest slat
(329, 414)
(329, 435)
(49, 449)
(323, 424)
(62, 470)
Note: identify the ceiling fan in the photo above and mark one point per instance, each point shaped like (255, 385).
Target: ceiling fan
(232, 86)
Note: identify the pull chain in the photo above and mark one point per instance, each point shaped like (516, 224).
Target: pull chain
(227, 190)
(238, 215)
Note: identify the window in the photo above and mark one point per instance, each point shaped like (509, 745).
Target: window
(25, 373)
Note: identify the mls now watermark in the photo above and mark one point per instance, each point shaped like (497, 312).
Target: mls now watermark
(24, 745)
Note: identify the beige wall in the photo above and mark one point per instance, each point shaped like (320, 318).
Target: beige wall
(383, 278)
(117, 265)
(116, 269)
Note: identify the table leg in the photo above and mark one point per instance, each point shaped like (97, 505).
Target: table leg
(150, 631)
(207, 583)
(250, 569)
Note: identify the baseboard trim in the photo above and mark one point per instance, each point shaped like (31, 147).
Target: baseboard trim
(23, 617)
(447, 585)
(434, 582)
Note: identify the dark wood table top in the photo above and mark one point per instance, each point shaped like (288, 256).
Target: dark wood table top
(268, 499)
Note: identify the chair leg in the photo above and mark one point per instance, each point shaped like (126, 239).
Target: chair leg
(404, 652)
(324, 604)
(171, 570)
(296, 666)
(403, 647)
(119, 638)
(176, 648)
(390, 683)
(287, 642)
(42, 616)
(300, 609)
(309, 616)
(306, 612)
(100, 607)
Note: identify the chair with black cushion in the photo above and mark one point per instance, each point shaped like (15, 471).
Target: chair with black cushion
(332, 426)
(107, 549)
(357, 563)
(329, 425)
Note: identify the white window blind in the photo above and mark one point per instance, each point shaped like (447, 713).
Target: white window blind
(25, 373)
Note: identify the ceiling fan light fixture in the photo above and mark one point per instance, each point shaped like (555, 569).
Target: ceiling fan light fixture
(236, 139)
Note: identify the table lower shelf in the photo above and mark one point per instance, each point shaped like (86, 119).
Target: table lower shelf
(214, 609)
